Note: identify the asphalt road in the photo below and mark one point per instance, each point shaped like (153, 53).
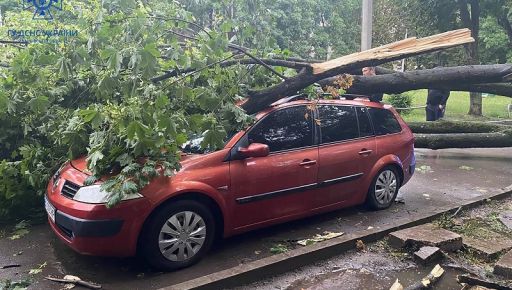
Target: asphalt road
(444, 177)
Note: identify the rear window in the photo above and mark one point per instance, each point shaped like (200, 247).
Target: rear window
(337, 123)
(384, 122)
(365, 126)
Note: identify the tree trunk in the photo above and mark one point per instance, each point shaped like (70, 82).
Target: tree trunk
(471, 19)
(475, 104)
(462, 78)
(464, 140)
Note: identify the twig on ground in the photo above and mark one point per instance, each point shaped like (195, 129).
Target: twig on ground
(473, 281)
(10, 266)
(76, 282)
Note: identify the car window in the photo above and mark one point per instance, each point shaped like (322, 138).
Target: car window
(337, 123)
(284, 129)
(384, 122)
(365, 126)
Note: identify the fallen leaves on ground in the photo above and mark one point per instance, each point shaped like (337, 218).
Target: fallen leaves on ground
(464, 167)
(37, 270)
(424, 169)
(278, 249)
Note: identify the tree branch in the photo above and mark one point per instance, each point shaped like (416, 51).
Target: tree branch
(269, 61)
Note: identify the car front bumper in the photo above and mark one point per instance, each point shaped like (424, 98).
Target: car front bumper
(94, 229)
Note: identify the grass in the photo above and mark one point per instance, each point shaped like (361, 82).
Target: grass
(494, 107)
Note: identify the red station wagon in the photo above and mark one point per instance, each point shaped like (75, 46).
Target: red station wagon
(284, 167)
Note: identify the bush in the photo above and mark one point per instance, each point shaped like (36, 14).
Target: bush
(401, 101)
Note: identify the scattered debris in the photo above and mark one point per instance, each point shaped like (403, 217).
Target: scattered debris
(10, 266)
(504, 266)
(319, 238)
(370, 228)
(257, 252)
(456, 212)
(37, 270)
(278, 249)
(426, 235)
(18, 285)
(426, 283)
(20, 230)
(69, 279)
(360, 246)
(428, 255)
(400, 199)
(474, 281)
(429, 280)
(17, 254)
(464, 167)
(396, 286)
(424, 169)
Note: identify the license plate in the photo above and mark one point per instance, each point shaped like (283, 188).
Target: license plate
(50, 209)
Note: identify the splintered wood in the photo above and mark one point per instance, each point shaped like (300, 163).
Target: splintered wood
(403, 48)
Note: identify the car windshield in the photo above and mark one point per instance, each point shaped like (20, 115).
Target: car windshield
(193, 145)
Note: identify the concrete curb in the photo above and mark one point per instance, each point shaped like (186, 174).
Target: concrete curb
(280, 263)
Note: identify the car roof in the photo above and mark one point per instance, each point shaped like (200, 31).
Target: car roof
(356, 102)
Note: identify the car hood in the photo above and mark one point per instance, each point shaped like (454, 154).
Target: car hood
(80, 163)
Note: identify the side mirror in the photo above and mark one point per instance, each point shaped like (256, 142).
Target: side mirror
(255, 150)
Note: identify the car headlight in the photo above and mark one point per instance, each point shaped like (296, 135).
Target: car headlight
(94, 194)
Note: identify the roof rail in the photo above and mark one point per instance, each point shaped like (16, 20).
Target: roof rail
(289, 99)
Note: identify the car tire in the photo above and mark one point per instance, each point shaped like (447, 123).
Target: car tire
(174, 237)
(383, 189)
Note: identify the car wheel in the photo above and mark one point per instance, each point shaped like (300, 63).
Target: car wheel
(178, 235)
(383, 189)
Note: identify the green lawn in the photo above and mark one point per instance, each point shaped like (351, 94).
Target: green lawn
(494, 107)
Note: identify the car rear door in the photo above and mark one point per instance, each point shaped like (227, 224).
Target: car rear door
(280, 184)
(346, 152)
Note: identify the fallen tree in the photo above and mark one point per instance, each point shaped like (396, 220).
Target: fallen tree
(444, 134)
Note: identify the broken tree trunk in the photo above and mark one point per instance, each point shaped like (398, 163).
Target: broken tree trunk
(465, 78)
(258, 100)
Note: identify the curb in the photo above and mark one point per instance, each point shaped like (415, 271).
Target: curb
(280, 263)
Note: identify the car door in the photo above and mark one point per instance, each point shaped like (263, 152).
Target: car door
(277, 185)
(346, 151)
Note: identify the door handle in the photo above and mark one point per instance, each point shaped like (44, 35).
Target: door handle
(307, 162)
(365, 151)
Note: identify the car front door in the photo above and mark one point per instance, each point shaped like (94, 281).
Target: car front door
(346, 152)
(277, 185)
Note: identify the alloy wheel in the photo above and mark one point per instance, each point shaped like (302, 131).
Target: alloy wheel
(182, 236)
(385, 187)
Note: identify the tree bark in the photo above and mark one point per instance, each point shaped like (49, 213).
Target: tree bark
(464, 140)
(448, 127)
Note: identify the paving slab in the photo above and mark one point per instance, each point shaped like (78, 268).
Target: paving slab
(506, 219)
(504, 266)
(489, 248)
(428, 255)
(426, 235)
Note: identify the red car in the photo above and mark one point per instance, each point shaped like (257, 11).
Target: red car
(300, 158)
